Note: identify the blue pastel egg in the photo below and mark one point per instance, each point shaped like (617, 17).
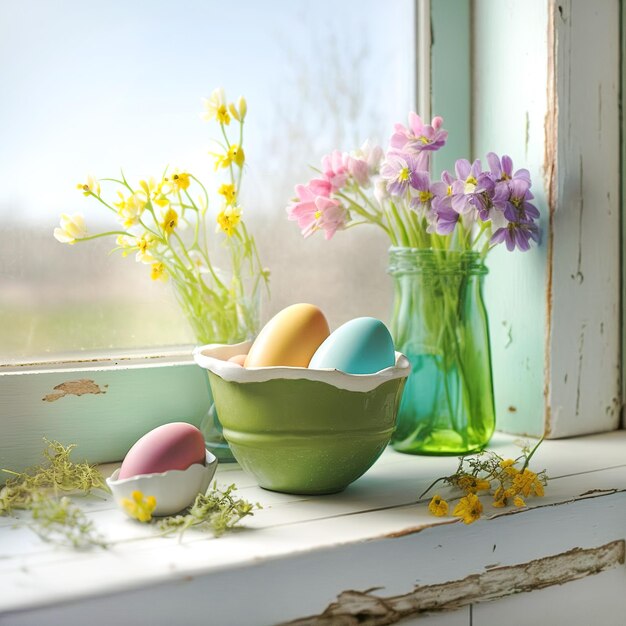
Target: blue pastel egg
(361, 346)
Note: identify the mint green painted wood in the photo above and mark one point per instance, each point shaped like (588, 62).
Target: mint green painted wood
(545, 83)
(304, 436)
(451, 75)
(105, 425)
(510, 52)
(482, 115)
(623, 197)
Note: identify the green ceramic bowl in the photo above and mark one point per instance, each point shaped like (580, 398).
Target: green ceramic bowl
(299, 430)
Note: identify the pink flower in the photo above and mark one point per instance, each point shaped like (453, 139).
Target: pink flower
(418, 136)
(364, 162)
(335, 169)
(315, 212)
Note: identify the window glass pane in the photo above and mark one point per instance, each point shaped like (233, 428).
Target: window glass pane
(91, 87)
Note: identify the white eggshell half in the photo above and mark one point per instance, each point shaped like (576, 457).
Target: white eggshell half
(174, 490)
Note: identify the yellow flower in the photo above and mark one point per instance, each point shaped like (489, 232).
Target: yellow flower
(519, 501)
(236, 154)
(469, 508)
(170, 221)
(179, 180)
(500, 498)
(129, 209)
(438, 506)
(215, 107)
(126, 242)
(139, 507)
(528, 483)
(229, 192)
(508, 465)
(228, 219)
(92, 186)
(72, 228)
(157, 272)
(157, 192)
(144, 243)
(472, 484)
(239, 111)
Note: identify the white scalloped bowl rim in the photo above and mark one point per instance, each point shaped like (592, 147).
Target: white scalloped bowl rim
(174, 490)
(214, 357)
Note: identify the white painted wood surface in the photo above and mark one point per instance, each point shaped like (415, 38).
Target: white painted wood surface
(546, 91)
(583, 175)
(299, 553)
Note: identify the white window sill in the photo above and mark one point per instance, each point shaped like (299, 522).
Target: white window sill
(298, 554)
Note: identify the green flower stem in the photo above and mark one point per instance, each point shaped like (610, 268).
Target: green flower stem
(206, 193)
(230, 165)
(404, 238)
(108, 206)
(241, 168)
(99, 235)
(376, 209)
(152, 232)
(372, 219)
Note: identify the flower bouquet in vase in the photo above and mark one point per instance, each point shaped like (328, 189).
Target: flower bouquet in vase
(164, 222)
(441, 231)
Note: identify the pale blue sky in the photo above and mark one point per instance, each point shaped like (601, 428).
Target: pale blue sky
(91, 86)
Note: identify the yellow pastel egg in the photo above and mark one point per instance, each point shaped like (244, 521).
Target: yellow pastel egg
(290, 338)
(240, 359)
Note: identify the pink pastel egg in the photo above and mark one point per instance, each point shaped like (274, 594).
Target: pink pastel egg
(240, 359)
(173, 446)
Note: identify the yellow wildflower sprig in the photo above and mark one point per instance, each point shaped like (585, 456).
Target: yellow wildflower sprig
(507, 481)
(55, 518)
(139, 507)
(165, 221)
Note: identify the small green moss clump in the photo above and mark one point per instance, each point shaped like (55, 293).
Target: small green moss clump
(216, 510)
(37, 490)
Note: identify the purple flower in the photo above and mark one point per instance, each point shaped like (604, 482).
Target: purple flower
(447, 219)
(418, 136)
(516, 205)
(502, 174)
(503, 169)
(472, 189)
(443, 188)
(421, 193)
(399, 170)
(517, 234)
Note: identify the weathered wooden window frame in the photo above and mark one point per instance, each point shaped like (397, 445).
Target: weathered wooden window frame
(105, 405)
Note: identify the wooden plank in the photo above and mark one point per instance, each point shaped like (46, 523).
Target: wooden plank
(451, 76)
(118, 404)
(555, 312)
(367, 607)
(289, 588)
(381, 507)
(592, 600)
(510, 40)
(583, 341)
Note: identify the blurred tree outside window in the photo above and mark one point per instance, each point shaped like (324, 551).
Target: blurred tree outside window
(89, 87)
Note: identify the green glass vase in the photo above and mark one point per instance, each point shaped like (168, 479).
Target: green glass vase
(440, 323)
(232, 320)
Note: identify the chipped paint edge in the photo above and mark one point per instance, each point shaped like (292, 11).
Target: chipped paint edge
(354, 607)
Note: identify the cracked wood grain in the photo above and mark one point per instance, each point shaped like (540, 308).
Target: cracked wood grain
(582, 180)
(78, 387)
(354, 607)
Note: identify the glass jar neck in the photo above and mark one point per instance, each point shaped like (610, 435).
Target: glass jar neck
(442, 262)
